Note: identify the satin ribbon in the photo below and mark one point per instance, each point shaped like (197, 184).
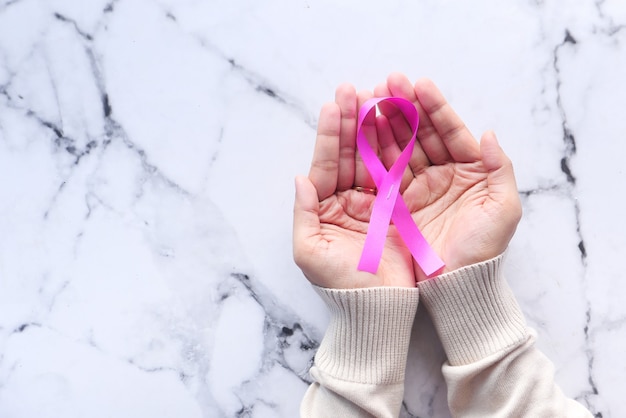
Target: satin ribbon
(389, 204)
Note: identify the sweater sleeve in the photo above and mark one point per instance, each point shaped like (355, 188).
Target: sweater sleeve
(493, 367)
(360, 365)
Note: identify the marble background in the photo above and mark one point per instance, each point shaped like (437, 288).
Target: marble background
(147, 156)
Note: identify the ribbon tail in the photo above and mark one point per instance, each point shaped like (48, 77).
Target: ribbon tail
(422, 252)
(378, 227)
(374, 244)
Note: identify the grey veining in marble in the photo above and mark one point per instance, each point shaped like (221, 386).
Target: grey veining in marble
(147, 156)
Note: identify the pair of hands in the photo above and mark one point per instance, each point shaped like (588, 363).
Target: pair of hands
(461, 194)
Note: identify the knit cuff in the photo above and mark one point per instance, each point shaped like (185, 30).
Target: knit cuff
(474, 311)
(368, 336)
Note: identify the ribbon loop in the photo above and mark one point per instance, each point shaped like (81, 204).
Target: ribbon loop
(389, 204)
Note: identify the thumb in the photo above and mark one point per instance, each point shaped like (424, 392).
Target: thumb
(306, 221)
(501, 178)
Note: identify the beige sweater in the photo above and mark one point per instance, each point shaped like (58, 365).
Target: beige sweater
(493, 367)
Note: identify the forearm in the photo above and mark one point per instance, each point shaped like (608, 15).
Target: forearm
(493, 368)
(360, 365)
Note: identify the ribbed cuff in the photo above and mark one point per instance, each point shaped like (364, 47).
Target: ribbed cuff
(368, 336)
(474, 311)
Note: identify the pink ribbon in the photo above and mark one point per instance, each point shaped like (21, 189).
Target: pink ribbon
(389, 204)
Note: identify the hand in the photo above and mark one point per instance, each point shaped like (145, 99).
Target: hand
(330, 217)
(462, 195)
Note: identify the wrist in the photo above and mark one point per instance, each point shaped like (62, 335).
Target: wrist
(477, 253)
(474, 311)
(369, 332)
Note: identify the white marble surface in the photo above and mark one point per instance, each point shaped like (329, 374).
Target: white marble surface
(147, 154)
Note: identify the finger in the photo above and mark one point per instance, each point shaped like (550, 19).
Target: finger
(306, 222)
(396, 123)
(504, 202)
(325, 163)
(445, 126)
(381, 90)
(389, 149)
(362, 176)
(431, 142)
(387, 137)
(345, 97)
(501, 178)
(400, 86)
(431, 146)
